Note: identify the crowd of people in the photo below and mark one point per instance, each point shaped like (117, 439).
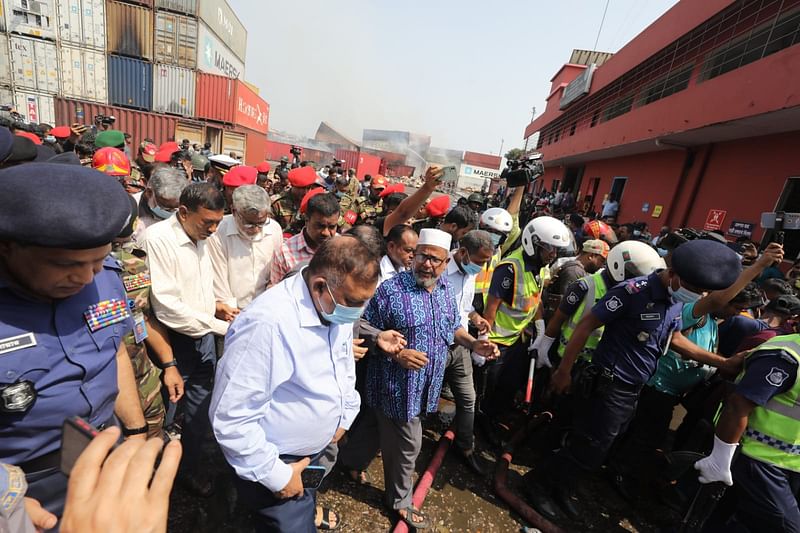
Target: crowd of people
(308, 319)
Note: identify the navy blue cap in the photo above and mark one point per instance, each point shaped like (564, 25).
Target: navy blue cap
(66, 158)
(6, 143)
(44, 153)
(706, 264)
(22, 151)
(61, 206)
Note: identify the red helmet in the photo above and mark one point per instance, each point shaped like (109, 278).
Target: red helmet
(111, 161)
(597, 229)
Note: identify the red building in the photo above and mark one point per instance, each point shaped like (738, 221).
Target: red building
(695, 122)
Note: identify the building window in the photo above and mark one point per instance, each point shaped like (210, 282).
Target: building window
(620, 107)
(761, 42)
(667, 86)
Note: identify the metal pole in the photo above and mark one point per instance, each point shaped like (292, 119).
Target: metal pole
(602, 21)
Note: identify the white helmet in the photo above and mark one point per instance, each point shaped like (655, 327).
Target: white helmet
(630, 259)
(497, 219)
(549, 231)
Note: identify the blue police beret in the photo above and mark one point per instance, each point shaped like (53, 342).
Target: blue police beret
(66, 158)
(61, 206)
(706, 264)
(22, 151)
(6, 143)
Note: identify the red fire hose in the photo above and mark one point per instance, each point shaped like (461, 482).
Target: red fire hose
(425, 482)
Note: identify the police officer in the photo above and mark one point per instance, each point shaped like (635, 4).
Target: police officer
(63, 315)
(280, 176)
(763, 415)
(642, 320)
(286, 206)
(476, 201)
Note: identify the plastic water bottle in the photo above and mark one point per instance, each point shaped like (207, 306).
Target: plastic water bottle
(477, 358)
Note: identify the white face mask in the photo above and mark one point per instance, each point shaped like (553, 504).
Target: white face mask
(684, 295)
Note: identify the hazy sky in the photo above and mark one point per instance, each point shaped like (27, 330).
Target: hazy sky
(466, 72)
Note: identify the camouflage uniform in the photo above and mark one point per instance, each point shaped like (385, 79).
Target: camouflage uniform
(284, 205)
(371, 211)
(351, 203)
(136, 279)
(354, 187)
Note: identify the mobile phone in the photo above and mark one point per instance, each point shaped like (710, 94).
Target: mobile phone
(449, 174)
(76, 435)
(312, 476)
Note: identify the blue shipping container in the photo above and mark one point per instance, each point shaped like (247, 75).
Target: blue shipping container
(130, 83)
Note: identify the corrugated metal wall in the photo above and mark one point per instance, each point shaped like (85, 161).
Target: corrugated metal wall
(173, 90)
(176, 39)
(350, 158)
(35, 64)
(5, 61)
(83, 74)
(188, 7)
(216, 97)
(141, 125)
(256, 147)
(130, 30)
(31, 17)
(130, 82)
(225, 24)
(82, 23)
(34, 107)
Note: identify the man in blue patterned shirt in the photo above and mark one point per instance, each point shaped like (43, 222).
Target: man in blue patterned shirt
(421, 305)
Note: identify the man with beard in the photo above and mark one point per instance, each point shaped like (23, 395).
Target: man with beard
(421, 305)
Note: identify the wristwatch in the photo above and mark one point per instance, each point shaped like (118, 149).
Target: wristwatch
(134, 431)
(165, 366)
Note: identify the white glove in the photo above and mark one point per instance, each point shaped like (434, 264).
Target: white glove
(539, 326)
(541, 345)
(717, 466)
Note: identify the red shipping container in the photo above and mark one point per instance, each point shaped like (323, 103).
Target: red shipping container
(389, 157)
(368, 164)
(140, 124)
(256, 151)
(231, 101)
(482, 160)
(276, 150)
(400, 170)
(350, 158)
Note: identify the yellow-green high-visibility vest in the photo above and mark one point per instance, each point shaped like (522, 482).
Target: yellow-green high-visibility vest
(511, 320)
(484, 278)
(773, 431)
(597, 289)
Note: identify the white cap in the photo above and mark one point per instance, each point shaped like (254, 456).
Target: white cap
(434, 237)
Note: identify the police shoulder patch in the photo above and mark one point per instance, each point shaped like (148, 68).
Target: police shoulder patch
(777, 376)
(613, 304)
(572, 298)
(636, 285)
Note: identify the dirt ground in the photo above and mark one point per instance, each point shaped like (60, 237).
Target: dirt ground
(458, 501)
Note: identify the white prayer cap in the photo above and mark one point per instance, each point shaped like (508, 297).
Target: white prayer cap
(434, 237)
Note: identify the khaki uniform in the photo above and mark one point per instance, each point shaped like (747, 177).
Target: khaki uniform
(284, 205)
(354, 187)
(136, 279)
(351, 203)
(371, 211)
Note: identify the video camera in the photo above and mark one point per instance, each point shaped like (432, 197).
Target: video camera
(778, 222)
(295, 150)
(519, 172)
(106, 120)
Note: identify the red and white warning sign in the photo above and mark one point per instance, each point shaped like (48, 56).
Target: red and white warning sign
(715, 219)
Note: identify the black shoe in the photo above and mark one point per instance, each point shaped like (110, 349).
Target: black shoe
(471, 459)
(541, 501)
(567, 503)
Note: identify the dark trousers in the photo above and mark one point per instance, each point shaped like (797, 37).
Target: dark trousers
(600, 417)
(499, 381)
(197, 361)
(274, 515)
(362, 442)
(400, 443)
(50, 488)
(766, 493)
(458, 374)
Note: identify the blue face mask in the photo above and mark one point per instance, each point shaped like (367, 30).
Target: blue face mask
(495, 239)
(160, 212)
(471, 269)
(341, 314)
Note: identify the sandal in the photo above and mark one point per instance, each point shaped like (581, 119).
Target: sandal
(325, 523)
(411, 512)
(360, 477)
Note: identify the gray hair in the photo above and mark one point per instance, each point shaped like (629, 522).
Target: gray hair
(168, 183)
(251, 199)
(477, 240)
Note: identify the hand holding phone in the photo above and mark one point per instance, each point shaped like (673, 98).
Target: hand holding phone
(312, 476)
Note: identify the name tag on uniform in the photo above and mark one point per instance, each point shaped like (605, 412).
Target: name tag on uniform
(12, 344)
(650, 316)
(106, 313)
(139, 327)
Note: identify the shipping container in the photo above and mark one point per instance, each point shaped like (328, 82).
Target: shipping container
(195, 132)
(31, 17)
(391, 158)
(130, 82)
(82, 23)
(276, 150)
(83, 74)
(129, 30)
(400, 170)
(482, 160)
(214, 57)
(35, 108)
(5, 61)
(176, 39)
(225, 24)
(350, 158)
(188, 7)
(34, 64)
(231, 101)
(141, 125)
(234, 142)
(368, 164)
(256, 147)
(319, 157)
(173, 90)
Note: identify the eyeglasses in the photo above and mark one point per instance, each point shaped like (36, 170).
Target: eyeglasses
(425, 258)
(248, 225)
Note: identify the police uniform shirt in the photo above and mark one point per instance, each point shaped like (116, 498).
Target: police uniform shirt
(639, 317)
(735, 329)
(72, 369)
(503, 280)
(577, 292)
(767, 374)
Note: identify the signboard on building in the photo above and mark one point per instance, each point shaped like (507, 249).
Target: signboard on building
(741, 229)
(251, 110)
(475, 177)
(214, 57)
(714, 219)
(578, 87)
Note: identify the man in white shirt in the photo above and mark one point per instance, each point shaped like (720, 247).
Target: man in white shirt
(466, 263)
(400, 245)
(160, 199)
(183, 300)
(242, 250)
(285, 388)
(610, 208)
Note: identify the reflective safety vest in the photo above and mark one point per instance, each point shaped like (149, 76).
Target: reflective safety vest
(511, 320)
(773, 431)
(484, 278)
(597, 289)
